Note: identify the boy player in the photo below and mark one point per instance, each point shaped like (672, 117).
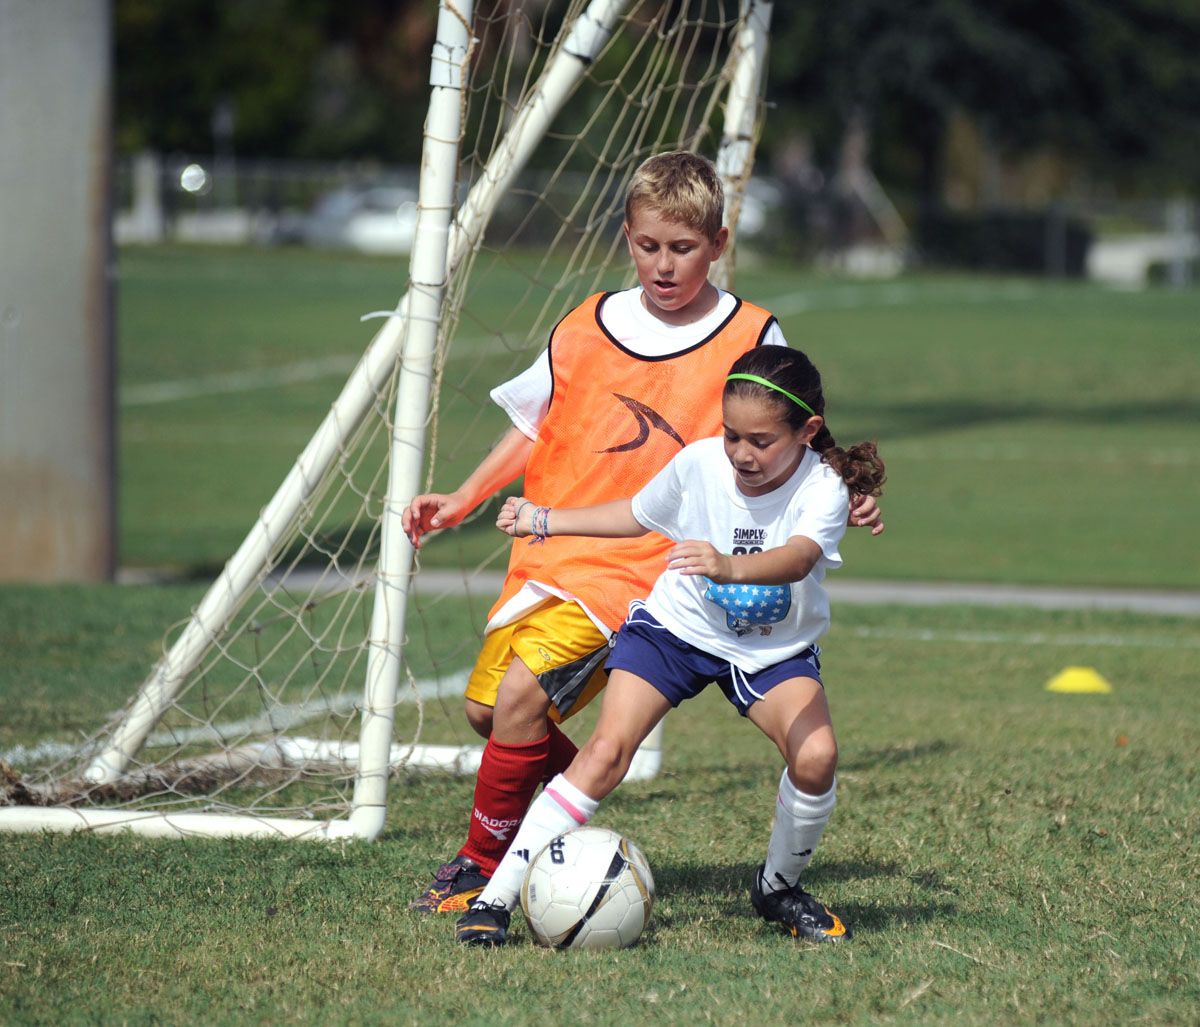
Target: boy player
(627, 380)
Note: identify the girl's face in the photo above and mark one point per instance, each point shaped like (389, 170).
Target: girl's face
(672, 262)
(762, 447)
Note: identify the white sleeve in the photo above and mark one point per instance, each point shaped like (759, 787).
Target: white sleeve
(774, 336)
(526, 398)
(823, 516)
(658, 503)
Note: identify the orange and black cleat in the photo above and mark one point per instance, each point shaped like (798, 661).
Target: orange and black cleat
(483, 924)
(454, 886)
(801, 915)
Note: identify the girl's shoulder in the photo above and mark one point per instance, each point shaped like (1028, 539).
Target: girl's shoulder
(703, 450)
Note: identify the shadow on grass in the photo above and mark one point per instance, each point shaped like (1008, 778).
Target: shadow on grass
(891, 755)
(730, 883)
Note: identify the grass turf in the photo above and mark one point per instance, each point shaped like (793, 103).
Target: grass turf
(1035, 432)
(1003, 852)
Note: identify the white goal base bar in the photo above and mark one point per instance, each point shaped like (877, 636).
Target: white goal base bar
(281, 752)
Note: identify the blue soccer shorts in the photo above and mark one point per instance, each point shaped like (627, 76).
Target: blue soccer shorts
(679, 670)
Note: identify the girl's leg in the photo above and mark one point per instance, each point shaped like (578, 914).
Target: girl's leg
(795, 716)
(629, 712)
(631, 708)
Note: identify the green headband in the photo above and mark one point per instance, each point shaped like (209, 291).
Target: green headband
(771, 385)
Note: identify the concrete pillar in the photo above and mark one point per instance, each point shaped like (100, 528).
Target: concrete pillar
(57, 519)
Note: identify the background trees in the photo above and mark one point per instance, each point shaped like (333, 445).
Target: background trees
(1111, 88)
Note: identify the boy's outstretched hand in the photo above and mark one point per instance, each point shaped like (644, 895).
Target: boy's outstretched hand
(431, 512)
(866, 513)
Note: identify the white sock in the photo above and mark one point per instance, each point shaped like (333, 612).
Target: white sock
(559, 808)
(800, 821)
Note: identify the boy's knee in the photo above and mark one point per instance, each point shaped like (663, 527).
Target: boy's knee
(479, 717)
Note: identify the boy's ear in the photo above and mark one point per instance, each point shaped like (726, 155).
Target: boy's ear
(721, 240)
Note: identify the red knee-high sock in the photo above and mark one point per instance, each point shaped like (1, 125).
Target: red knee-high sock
(562, 752)
(504, 785)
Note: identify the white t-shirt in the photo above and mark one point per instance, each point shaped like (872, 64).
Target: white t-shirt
(752, 626)
(526, 398)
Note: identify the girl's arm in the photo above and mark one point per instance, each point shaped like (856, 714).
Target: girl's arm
(520, 517)
(781, 565)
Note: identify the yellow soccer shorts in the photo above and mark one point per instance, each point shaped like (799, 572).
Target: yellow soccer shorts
(559, 644)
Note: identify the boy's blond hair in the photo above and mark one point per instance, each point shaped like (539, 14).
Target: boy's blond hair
(679, 186)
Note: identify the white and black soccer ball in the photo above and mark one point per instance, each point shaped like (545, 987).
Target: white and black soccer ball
(590, 888)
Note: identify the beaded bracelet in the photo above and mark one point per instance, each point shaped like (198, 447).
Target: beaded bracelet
(541, 531)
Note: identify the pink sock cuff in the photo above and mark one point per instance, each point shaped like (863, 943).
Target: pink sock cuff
(574, 811)
(578, 806)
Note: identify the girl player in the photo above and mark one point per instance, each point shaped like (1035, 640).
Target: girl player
(757, 517)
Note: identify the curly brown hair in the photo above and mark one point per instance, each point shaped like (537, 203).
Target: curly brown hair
(860, 466)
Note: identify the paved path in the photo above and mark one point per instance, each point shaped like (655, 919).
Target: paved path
(849, 590)
(913, 593)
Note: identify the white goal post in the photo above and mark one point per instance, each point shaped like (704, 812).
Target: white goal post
(537, 117)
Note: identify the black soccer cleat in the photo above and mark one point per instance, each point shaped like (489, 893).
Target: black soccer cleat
(454, 886)
(801, 915)
(483, 924)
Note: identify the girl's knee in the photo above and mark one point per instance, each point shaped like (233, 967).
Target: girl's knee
(521, 706)
(812, 769)
(603, 762)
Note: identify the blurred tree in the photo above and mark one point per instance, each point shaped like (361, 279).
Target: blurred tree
(1115, 85)
(303, 78)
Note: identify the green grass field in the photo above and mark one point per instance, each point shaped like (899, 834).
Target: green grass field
(1035, 432)
(1005, 854)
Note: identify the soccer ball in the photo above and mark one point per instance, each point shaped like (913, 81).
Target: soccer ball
(590, 888)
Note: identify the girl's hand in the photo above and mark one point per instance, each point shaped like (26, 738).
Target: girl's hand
(694, 557)
(516, 517)
(865, 512)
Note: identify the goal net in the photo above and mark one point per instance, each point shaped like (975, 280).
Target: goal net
(328, 658)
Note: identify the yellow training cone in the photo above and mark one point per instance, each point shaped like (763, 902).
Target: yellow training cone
(1078, 680)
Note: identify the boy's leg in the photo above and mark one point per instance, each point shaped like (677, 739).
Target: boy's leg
(525, 749)
(795, 715)
(511, 769)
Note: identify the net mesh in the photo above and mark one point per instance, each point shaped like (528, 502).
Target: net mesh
(267, 722)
